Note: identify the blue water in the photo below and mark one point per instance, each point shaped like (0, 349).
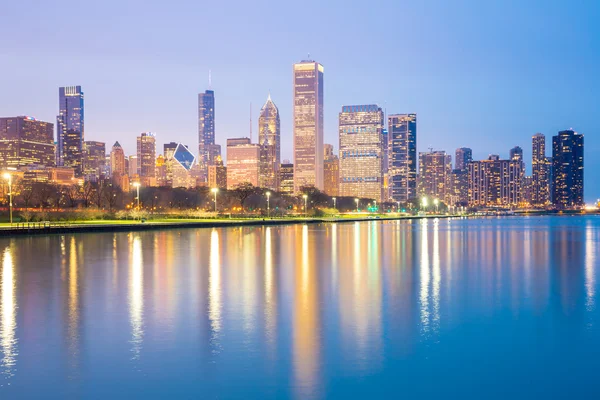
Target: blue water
(482, 308)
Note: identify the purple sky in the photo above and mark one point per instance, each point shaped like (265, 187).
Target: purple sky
(486, 76)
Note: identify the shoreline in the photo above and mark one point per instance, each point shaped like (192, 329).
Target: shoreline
(74, 227)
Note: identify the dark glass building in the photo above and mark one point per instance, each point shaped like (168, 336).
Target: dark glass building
(70, 128)
(94, 160)
(26, 141)
(463, 156)
(402, 173)
(567, 174)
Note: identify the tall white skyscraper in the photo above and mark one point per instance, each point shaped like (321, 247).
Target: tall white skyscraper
(308, 125)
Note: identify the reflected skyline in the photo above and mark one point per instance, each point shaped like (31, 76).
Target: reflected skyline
(291, 311)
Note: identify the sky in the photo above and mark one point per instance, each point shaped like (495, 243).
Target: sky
(480, 74)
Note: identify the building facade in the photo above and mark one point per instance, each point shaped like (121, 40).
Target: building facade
(308, 125)
(70, 128)
(93, 160)
(496, 183)
(361, 151)
(269, 140)
(567, 170)
(206, 129)
(217, 175)
(540, 170)
(331, 172)
(146, 157)
(242, 162)
(402, 173)
(183, 162)
(435, 170)
(463, 156)
(286, 178)
(25, 141)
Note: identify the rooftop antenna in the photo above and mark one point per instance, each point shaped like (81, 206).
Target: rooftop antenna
(250, 122)
(209, 80)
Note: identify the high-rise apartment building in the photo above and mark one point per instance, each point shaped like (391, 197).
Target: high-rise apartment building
(540, 169)
(26, 141)
(286, 178)
(496, 183)
(206, 130)
(93, 160)
(133, 165)
(70, 128)
(463, 156)
(242, 162)
(269, 136)
(459, 188)
(567, 170)
(361, 151)
(516, 154)
(402, 173)
(331, 172)
(308, 125)
(146, 157)
(435, 170)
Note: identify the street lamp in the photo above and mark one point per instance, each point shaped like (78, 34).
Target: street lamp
(436, 202)
(215, 190)
(334, 199)
(356, 200)
(398, 207)
(268, 205)
(375, 205)
(137, 186)
(424, 203)
(305, 201)
(8, 177)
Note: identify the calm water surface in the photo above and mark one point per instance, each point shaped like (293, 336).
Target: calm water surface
(488, 308)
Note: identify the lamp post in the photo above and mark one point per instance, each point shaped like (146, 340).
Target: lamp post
(137, 187)
(268, 205)
(436, 202)
(398, 207)
(424, 203)
(215, 190)
(334, 199)
(8, 177)
(305, 203)
(375, 205)
(357, 201)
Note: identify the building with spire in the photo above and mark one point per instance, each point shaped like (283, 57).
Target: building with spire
(269, 141)
(206, 131)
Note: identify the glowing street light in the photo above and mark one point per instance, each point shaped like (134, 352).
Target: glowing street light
(305, 202)
(398, 207)
(137, 186)
(8, 177)
(334, 199)
(268, 205)
(424, 203)
(357, 201)
(215, 191)
(436, 202)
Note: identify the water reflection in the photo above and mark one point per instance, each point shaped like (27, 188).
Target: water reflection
(590, 273)
(8, 310)
(214, 289)
(136, 296)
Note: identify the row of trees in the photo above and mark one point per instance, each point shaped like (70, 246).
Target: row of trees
(105, 195)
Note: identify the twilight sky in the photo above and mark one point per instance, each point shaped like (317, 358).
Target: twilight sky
(482, 74)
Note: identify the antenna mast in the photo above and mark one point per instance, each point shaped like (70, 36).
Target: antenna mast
(250, 122)
(209, 80)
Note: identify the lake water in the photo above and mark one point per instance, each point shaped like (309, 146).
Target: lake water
(481, 308)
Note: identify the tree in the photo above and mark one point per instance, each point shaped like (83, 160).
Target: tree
(98, 194)
(86, 193)
(243, 191)
(71, 194)
(112, 196)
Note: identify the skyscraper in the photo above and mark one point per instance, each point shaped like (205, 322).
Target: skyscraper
(146, 156)
(269, 133)
(117, 160)
(540, 169)
(463, 156)
(567, 165)
(217, 175)
(183, 161)
(331, 172)
(26, 141)
(286, 178)
(94, 159)
(402, 137)
(242, 162)
(70, 128)
(435, 168)
(361, 151)
(206, 129)
(516, 153)
(308, 125)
